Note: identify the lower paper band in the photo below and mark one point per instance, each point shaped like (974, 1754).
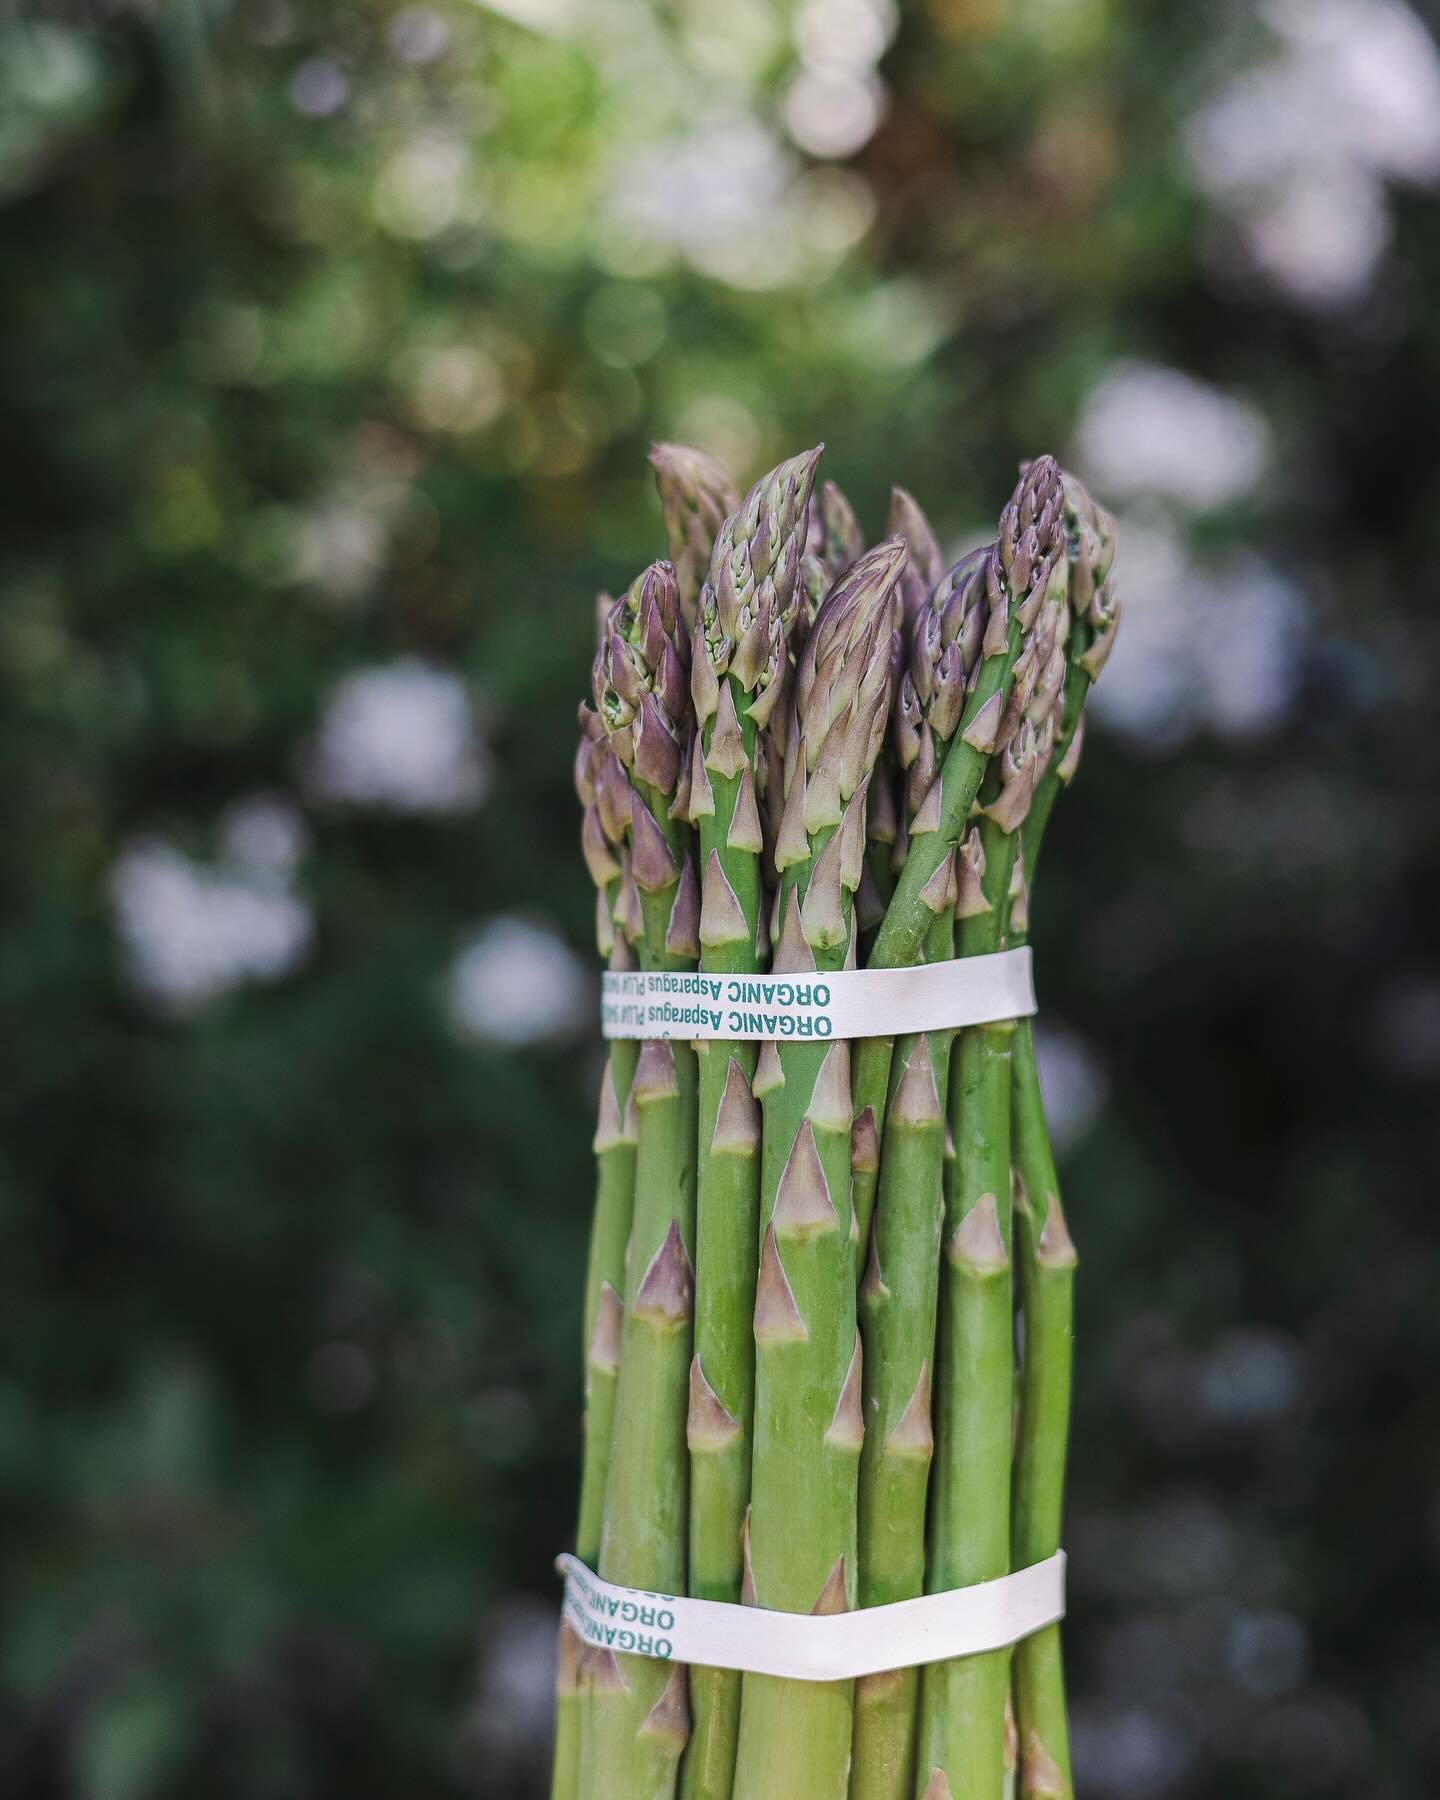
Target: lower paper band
(801, 1647)
(848, 1003)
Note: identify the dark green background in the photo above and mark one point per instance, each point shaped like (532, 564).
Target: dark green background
(220, 1579)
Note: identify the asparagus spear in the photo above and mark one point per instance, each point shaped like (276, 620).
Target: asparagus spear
(635, 1720)
(925, 565)
(739, 675)
(833, 535)
(795, 1736)
(899, 1292)
(697, 495)
(602, 843)
(963, 1703)
(1045, 1253)
(1019, 570)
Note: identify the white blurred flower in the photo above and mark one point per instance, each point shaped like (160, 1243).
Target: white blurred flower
(402, 738)
(710, 185)
(1072, 1080)
(509, 1724)
(518, 983)
(1251, 1378)
(263, 837)
(417, 34)
(1373, 74)
(834, 112)
(1146, 429)
(1201, 647)
(339, 548)
(1132, 1752)
(1297, 151)
(191, 934)
(420, 188)
(844, 34)
(1267, 1653)
(730, 197)
(1322, 235)
(318, 88)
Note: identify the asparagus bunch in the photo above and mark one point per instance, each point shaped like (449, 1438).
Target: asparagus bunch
(799, 1304)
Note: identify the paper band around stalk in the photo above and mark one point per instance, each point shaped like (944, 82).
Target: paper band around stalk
(850, 1003)
(801, 1647)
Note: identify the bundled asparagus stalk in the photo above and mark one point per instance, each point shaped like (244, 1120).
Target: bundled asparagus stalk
(634, 1718)
(795, 1737)
(1045, 1253)
(863, 736)
(740, 683)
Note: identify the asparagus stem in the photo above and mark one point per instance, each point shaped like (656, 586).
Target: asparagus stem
(740, 673)
(795, 1736)
(1045, 1254)
(899, 1293)
(1047, 1278)
(599, 783)
(898, 1300)
(565, 1759)
(635, 1721)
(962, 1713)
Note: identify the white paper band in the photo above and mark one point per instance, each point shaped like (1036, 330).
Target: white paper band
(852, 1003)
(963, 1622)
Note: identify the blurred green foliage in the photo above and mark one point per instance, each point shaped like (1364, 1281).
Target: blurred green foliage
(332, 340)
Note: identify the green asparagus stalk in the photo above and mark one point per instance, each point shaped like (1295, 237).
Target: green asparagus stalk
(635, 1716)
(602, 843)
(697, 495)
(601, 836)
(1018, 571)
(1047, 1261)
(1045, 1254)
(963, 1702)
(739, 676)
(801, 1537)
(898, 1295)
